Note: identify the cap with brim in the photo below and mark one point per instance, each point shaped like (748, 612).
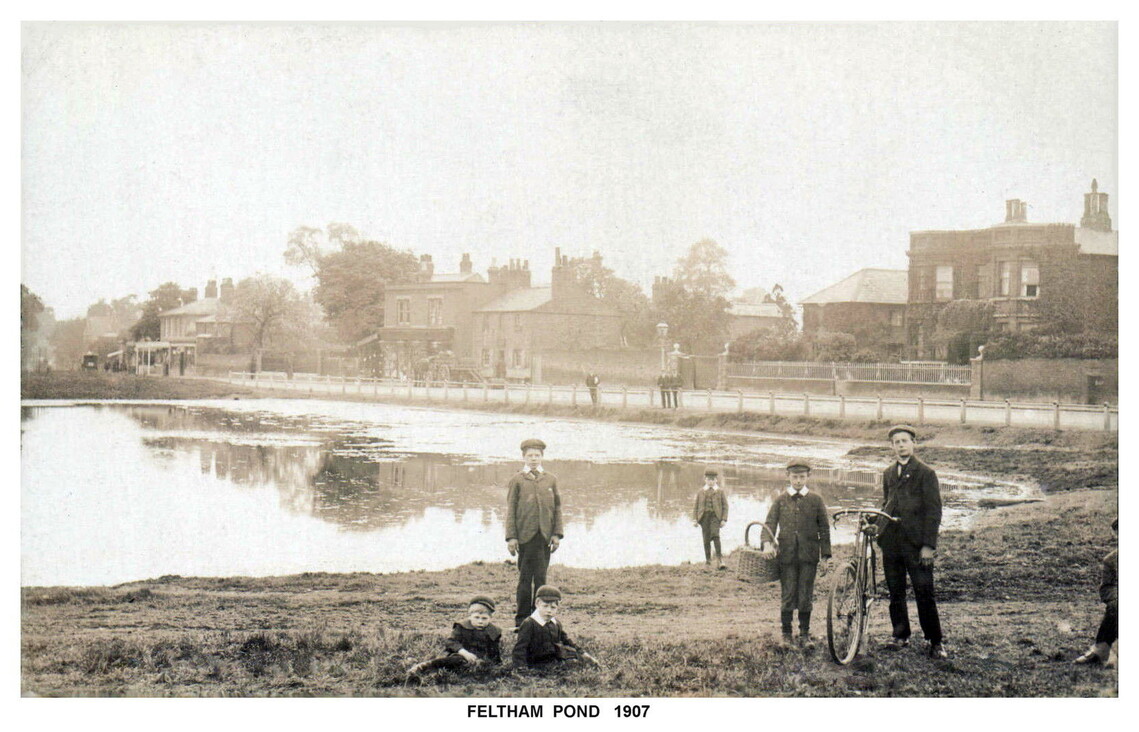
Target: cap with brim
(902, 428)
(798, 465)
(711, 473)
(548, 592)
(527, 444)
(482, 600)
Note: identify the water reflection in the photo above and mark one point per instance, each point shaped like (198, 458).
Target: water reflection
(211, 491)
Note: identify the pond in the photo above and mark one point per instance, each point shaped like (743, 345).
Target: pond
(114, 492)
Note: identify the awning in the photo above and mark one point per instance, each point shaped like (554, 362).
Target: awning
(151, 345)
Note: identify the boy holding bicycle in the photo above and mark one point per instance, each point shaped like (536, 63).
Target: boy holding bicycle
(798, 520)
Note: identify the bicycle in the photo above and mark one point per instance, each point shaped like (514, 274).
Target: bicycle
(854, 589)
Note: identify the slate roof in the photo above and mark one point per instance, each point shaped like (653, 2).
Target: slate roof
(756, 310)
(205, 306)
(520, 300)
(884, 286)
(1092, 241)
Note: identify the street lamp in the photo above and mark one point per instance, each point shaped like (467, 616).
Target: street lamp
(981, 373)
(662, 338)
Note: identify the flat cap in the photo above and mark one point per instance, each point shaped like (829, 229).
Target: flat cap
(712, 472)
(482, 600)
(527, 444)
(798, 465)
(902, 428)
(548, 592)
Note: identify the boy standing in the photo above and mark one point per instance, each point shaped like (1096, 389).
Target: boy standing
(533, 524)
(473, 642)
(1108, 631)
(710, 512)
(798, 520)
(541, 638)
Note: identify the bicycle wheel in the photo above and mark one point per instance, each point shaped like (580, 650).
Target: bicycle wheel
(845, 614)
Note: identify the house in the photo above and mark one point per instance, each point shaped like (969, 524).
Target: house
(208, 325)
(1014, 265)
(869, 305)
(746, 317)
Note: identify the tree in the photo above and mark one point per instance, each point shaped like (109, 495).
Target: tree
(698, 321)
(787, 310)
(67, 342)
(704, 270)
(31, 308)
(167, 296)
(768, 344)
(961, 326)
(307, 245)
(638, 324)
(273, 309)
(351, 281)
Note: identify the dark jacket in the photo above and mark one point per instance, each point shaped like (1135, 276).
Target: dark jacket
(538, 644)
(915, 498)
(484, 642)
(800, 525)
(718, 504)
(1109, 583)
(533, 506)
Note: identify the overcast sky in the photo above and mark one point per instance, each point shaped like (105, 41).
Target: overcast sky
(184, 152)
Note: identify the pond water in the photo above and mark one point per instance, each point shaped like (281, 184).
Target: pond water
(116, 492)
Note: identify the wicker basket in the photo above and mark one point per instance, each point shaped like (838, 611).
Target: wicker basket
(754, 566)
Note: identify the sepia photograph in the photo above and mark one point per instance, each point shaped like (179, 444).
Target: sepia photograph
(569, 361)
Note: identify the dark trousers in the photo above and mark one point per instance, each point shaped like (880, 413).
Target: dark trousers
(664, 398)
(710, 529)
(533, 560)
(593, 395)
(1109, 627)
(451, 661)
(673, 395)
(797, 585)
(896, 565)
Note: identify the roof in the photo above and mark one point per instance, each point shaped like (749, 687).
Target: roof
(205, 306)
(1092, 241)
(756, 310)
(457, 277)
(525, 298)
(884, 286)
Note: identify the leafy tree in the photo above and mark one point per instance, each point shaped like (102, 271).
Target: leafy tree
(833, 346)
(351, 281)
(31, 308)
(306, 245)
(786, 309)
(704, 270)
(697, 321)
(961, 326)
(768, 344)
(638, 325)
(276, 313)
(67, 342)
(167, 296)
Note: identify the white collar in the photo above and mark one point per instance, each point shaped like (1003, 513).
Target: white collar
(791, 491)
(713, 487)
(525, 469)
(904, 463)
(537, 618)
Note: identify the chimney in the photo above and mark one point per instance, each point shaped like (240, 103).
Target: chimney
(513, 275)
(1016, 210)
(1095, 210)
(225, 294)
(212, 289)
(561, 276)
(465, 264)
(426, 268)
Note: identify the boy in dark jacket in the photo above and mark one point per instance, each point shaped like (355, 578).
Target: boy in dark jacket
(798, 518)
(1109, 594)
(473, 642)
(542, 640)
(710, 513)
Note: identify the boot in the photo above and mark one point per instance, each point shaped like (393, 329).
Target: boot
(1098, 653)
(805, 631)
(785, 622)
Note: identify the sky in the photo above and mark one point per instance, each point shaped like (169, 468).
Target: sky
(167, 152)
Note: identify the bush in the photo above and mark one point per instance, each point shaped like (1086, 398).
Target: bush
(1010, 346)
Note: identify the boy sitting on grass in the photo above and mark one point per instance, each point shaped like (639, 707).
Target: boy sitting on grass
(474, 642)
(542, 640)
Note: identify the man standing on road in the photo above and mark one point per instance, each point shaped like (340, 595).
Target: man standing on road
(592, 381)
(910, 545)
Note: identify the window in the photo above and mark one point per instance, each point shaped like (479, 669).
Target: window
(984, 281)
(402, 311)
(518, 362)
(485, 323)
(923, 284)
(896, 318)
(435, 311)
(944, 289)
(1029, 279)
(486, 357)
(1006, 279)
(518, 321)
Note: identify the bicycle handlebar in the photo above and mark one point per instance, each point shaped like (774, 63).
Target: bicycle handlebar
(862, 512)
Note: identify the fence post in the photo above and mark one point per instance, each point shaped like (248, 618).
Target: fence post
(963, 411)
(573, 396)
(464, 390)
(806, 404)
(1106, 417)
(879, 407)
(1055, 415)
(446, 389)
(375, 387)
(921, 410)
(739, 400)
(1008, 413)
(485, 392)
(550, 394)
(505, 392)
(771, 402)
(709, 399)
(842, 406)
(343, 384)
(679, 398)
(624, 397)
(528, 393)
(409, 387)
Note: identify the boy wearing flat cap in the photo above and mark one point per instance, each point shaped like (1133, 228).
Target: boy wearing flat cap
(798, 520)
(710, 512)
(913, 496)
(473, 642)
(542, 639)
(533, 524)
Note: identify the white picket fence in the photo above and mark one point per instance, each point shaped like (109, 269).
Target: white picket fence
(915, 410)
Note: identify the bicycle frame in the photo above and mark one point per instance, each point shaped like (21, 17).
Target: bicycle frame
(861, 588)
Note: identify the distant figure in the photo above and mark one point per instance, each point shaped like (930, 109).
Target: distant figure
(663, 385)
(674, 384)
(474, 641)
(798, 520)
(592, 381)
(710, 513)
(1108, 631)
(533, 524)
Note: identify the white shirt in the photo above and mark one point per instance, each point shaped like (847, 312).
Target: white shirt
(791, 491)
(527, 470)
(537, 617)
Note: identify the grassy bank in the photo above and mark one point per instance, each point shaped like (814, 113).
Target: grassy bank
(103, 385)
(1018, 602)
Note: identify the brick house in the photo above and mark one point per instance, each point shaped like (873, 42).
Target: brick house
(1013, 265)
(208, 325)
(869, 304)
